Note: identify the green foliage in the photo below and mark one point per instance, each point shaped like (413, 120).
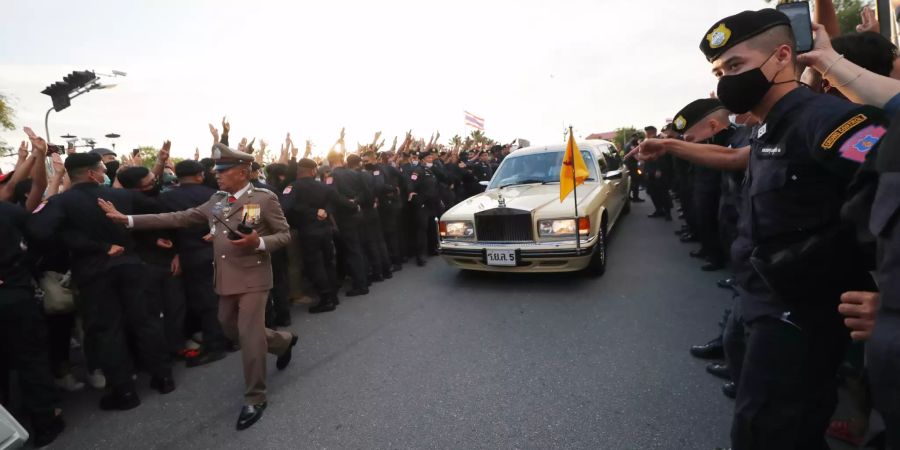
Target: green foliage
(148, 156)
(6, 114)
(623, 135)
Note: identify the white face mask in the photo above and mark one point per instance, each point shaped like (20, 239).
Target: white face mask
(429, 164)
(414, 163)
(733, 119)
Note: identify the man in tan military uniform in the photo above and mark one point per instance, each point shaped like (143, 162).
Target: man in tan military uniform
(243, 269)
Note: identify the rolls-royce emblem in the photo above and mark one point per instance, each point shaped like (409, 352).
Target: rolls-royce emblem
(501, 202)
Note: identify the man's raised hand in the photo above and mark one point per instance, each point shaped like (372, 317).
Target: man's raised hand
(38, 144)
(164, 153)
(214, 132)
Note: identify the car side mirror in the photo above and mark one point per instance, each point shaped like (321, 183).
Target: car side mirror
(613, 175)
(484, 183)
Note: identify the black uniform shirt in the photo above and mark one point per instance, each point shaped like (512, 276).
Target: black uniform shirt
(13, 270)
(802, 159)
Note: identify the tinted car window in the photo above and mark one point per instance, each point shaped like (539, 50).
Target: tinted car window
(537, 168)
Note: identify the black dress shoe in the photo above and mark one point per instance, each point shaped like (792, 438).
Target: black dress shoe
(322, 307)
(162, 384)
(656, 215)
(204, 358)
(698, 254)
(638, 200)
(387, 275)
(357, 292)
(719, 370)
(711, 350)
(120, 401)
(396, 267)
(285, 358)
(689, 237)
(712, 266)
(376, 279)
(46, 431)
(730, 390)
(250, 414)
(727, 283)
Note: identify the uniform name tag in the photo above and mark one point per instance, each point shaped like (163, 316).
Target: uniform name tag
(771, 152)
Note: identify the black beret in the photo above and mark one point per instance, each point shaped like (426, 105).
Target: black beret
(130, 177)
(81, 160)
(735, 29)
(102, 151)
(694, 112)
(307, 163)
(188, 168)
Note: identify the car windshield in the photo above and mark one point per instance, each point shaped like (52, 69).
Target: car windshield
(536, 168)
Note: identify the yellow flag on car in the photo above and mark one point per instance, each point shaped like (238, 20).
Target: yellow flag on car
(574, 171)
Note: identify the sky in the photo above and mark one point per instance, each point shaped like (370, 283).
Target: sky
(529, 68)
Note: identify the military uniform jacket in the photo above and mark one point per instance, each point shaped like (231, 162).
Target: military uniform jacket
(237, 270)
(801, 163)
(302, 200)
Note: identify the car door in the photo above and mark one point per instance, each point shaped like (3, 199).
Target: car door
(614, 180)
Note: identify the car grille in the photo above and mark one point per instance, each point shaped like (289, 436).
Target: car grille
(504, 225)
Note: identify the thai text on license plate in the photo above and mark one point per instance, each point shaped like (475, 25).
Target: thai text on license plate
(506, 258)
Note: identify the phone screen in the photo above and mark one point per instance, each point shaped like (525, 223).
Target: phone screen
(801, 24)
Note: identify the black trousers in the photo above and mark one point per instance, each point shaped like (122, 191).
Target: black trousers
(113, 302)
(787, 391)
(734, 340)
(59, 333)
(706, 208)
(280, 284)
(167, 291)
(658, 190)
(23, 347)
(373, 244)
(203, 302)
(390, 223)
(424, 226)
(319, 264)
(350, 249)
(635, 188)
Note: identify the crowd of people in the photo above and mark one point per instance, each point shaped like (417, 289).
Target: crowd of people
(143, 267)
(798, 180)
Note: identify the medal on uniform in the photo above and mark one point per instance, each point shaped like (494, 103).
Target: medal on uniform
(252, 212)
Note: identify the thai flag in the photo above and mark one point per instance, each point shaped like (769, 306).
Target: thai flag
(474, 121)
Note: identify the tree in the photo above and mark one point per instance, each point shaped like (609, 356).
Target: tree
(6, 114)
(623, 135)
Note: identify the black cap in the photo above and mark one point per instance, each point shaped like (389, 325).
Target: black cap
(81, 160)
(735, 29)
(102, 151)
(694, 112)
(307, 163)
(188, 168)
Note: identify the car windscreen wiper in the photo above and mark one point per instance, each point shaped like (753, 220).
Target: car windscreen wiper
(523, 182)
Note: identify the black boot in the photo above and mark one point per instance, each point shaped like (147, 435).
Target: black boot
(713, 349)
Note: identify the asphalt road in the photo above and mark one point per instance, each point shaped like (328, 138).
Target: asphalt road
(440, 359)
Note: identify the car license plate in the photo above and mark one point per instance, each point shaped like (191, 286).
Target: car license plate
(505, 258)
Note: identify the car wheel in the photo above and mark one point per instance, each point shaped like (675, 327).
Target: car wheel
(598, 260)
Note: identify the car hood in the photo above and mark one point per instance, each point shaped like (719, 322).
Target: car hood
(540, 199)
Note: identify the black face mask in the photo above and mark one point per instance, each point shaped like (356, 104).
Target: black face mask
(740, 93)
(111, 168)
(371, 167)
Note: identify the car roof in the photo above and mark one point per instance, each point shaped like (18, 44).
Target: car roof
(597, 145)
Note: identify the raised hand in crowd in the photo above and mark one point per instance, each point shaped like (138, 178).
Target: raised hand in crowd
(242, 146)
(308, 151)
(39, 170)
(57, 181)
(215, 133)
(162, 158)
(197, 154)
(869, 21)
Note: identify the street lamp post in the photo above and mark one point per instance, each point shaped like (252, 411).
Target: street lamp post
(73, 85)
(113, 136)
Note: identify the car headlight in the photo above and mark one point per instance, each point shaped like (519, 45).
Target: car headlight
(564, 227)
(459, 229)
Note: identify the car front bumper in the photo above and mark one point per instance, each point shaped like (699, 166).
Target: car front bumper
(531, 257)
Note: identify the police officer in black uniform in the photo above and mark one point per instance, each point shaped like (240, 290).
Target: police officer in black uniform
(657, 177)
(196, 257)
(425, 202)
(349, 184)
(632, 165)
(371, 233)
(794, 256)
(309, 206)
(391, 208)
(109, 276)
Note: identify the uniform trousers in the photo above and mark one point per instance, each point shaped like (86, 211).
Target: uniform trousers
(787, 390)
(115, 303)
(23, 346)
(318, 260)
(203, 302)
(243, 318)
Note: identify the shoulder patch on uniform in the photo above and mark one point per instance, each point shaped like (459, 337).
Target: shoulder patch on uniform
(287, 190)
(840, 131)
(857, 146)
(414, 177)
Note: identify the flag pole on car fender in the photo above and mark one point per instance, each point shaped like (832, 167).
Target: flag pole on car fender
(574, 188)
